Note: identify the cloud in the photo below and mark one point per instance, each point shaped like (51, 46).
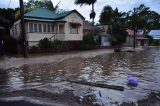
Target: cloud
(5, 3)
(123, 5)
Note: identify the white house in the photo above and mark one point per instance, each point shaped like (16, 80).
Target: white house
(139, 38)
(103, 35)
(155, 34)
(43, 23)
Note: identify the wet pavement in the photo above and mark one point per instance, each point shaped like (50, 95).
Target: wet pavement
(47, 83)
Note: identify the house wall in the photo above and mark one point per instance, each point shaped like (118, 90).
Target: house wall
(73, 17)
(15, 30)
(129, 41)
(105, 41)
(36, 37)
(33, 38)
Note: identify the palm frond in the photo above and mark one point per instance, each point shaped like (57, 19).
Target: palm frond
(84, 2)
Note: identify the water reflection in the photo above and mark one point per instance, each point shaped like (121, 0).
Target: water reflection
(108, 68)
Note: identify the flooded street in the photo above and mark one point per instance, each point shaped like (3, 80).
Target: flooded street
(47, 83)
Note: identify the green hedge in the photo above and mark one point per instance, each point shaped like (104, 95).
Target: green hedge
(45, 43)
(55, 45)
(88, 41)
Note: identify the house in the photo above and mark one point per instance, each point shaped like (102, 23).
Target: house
(103, 35)
(42, 23)
(155, 34)
(87, 27)
(139, 37)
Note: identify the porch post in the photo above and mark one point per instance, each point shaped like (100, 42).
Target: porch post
(58, 28)
(28, 27)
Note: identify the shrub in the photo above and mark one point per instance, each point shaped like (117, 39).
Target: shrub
(45, 43)
(59, 45)
(88, 42)
(155, 43)
(113, 40)
(34, 49)
(85, 46)
(150, 38)
(119, 35)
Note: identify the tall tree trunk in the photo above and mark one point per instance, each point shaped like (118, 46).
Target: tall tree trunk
(93, 11)
(93, 20)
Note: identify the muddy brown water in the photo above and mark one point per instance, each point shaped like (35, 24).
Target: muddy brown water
(46, 85)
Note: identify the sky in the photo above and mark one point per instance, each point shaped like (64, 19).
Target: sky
(123, 5)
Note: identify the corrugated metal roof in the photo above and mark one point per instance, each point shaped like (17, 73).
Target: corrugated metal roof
(131, 32)
(34, 19)
(87, 25)
(43, 13)
(154, 33)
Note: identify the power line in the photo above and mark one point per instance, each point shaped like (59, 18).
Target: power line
(9, 3)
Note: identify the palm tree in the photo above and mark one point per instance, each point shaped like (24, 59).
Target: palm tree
(106, 16)
(88, 2)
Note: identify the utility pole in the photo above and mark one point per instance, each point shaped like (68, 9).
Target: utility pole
(24, 43)
(134, 37)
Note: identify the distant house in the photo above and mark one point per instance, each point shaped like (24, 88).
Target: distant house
(87, 27)
(139, 37)
(103, 35)
(155, 34)
(43, 23)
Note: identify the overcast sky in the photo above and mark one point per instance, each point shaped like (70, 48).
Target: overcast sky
(123, 5)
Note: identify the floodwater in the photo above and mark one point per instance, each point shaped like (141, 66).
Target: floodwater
(47, 84)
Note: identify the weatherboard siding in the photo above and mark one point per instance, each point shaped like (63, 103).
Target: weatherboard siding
(73, 17)
(34, 35)
(15, 30)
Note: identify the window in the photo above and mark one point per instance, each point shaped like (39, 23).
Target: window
(35, 28)
(49, 28)
(30, 27)
(40, 27)
(52, 29)
(44, 28)
(74, 29)
(61, 28)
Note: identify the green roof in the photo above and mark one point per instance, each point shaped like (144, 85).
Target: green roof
(45, 14)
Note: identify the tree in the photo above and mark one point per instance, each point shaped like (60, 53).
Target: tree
(109, 16)
(6, 20)
(88, 2)
(7, 14)
(106, 16)
(144, 18)
(17, 14)
(41, 4)
(31, 4)
(119, 34)
(115, 21)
